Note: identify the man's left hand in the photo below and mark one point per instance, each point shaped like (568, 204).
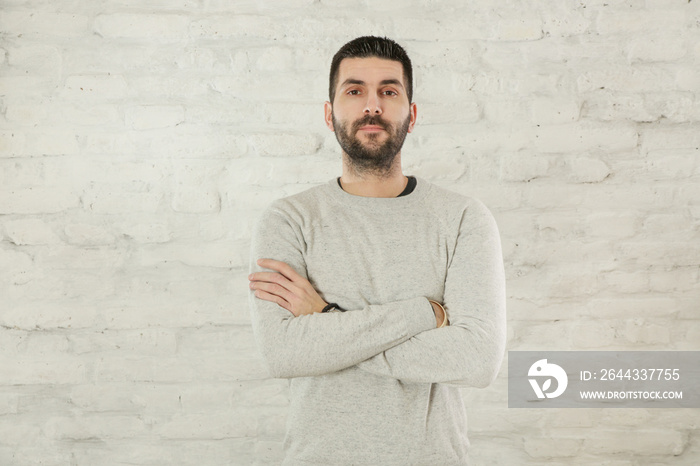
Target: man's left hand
(286, 288)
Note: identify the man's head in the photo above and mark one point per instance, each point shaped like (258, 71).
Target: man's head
(370, 109)
(371, 46)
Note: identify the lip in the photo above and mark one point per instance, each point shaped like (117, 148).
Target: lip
(371, 128)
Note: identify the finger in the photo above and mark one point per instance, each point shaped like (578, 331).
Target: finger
(265, 296)
(274, 277)
(273, 289)
(281, 267)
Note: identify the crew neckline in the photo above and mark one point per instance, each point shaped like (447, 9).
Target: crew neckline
(406, 201)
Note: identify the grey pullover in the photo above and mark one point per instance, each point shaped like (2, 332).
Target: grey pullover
(379, 384)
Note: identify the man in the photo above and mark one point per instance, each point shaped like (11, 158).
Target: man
(378, 295)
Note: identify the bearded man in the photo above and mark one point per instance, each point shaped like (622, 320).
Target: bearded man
(376, 294)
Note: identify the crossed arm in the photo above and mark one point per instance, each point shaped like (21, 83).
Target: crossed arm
(291, 291)
(399, 339)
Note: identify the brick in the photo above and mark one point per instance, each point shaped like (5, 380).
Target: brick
(449, 29)
(146, 398)
(104, 426)
(96, 87)
(685, 79)
(237, 423)
(147, 342)
(552, 447)
(601, 334)
(11, 143)
(627, 79)
(660, 253)
(523, 166)
(26, 115)
(436, 167)
(557, 20)
(49, 142)
(510, 112)
(76, 257)
(524, 27)
(632, 197)
(35, 59)
(47, 314)
(587, 170)
(637, 331)
(668, 137)
(612, 224)
(611, 106)
(154, 116)
(641, 306)
(85, 115)
(8, 403)
(272, 87)
(238, 26)
(187, 143)
(158, 27)
(155, 232)
(667, 280)
(88, 235)
(43, 23)
(198, 255)
(115, 202)
(274, 59)
(30, 231)
(644, 442)
(216, 114)
(656, 47)
(579, 138)
(196, 201)
(36, 200)
(553, 111)
(47, 370)
(440, 114)
(537, 335)
(25, 86)
(228, 340)
(15, 433)
(546, 197)
(39, 344)
(614, 21)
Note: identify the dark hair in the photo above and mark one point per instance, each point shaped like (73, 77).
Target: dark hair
(371, 46)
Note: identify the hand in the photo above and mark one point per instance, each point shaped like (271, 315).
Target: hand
(286, 288)
(439, 314)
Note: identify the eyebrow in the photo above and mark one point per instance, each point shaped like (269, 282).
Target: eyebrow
(362, 83)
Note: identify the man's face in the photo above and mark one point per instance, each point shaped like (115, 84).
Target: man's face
(371, 113)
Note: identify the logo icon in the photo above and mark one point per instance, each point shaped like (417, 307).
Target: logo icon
(543, 369)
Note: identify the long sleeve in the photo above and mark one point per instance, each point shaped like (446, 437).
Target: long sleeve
(319, 344)
(469, 352)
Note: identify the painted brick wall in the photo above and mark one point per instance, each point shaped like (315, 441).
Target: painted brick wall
(139, 140)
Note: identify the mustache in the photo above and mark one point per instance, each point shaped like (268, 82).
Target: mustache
(370, 120)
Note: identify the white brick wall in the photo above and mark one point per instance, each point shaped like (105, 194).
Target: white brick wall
(140, 139)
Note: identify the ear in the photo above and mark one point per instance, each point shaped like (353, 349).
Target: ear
(414, 114)
(328, 115)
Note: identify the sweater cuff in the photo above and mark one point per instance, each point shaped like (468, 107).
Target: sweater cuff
(419, 315)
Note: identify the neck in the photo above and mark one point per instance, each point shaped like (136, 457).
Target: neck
(388, 183)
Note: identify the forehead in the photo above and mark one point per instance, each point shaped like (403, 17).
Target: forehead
(370, 69)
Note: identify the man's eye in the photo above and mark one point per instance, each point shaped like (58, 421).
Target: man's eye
(391, 93)
(354, 92)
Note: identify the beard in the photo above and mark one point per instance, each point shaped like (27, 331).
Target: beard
(373, 156)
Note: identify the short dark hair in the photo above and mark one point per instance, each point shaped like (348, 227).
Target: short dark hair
(372, 46)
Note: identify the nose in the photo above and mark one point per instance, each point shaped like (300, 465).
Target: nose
(372, 107)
